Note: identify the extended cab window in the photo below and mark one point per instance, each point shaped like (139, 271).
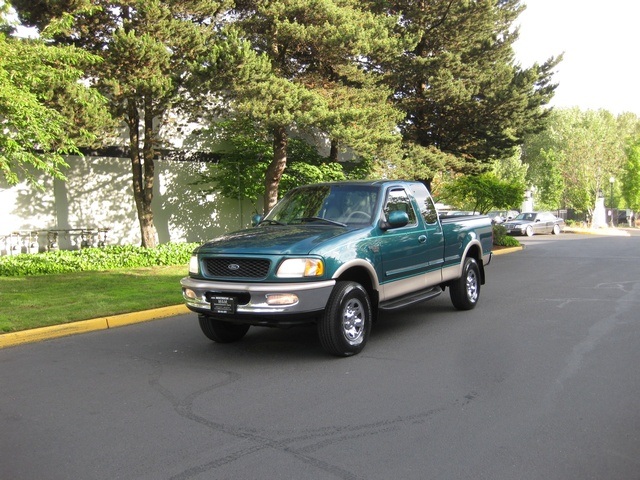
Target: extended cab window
(428, 210)
(399, 200)
(425, 204)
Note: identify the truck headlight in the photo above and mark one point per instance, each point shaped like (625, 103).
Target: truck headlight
(301, 267)
(193, 265)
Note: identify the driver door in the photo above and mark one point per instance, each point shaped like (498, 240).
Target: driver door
(404, 250)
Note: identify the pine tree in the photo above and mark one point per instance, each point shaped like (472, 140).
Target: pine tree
(149, 49)
(459, 85)
(307, 66)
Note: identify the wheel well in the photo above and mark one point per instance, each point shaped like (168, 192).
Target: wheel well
(361, 276)
(475, 253)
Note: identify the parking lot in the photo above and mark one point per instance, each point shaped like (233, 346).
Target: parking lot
(540, 381)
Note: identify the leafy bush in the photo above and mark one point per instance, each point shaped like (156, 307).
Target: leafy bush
(107, 258)
(501, 239)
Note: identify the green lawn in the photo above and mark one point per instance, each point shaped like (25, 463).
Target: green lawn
(38, 301)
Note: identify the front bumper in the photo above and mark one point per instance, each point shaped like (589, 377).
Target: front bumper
(516, 230)
(252, 299)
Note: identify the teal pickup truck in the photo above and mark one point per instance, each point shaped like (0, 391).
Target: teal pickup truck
(334, 254)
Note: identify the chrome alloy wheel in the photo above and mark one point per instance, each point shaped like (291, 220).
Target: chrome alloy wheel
(343, 328)
(353, 321)
(471, 284)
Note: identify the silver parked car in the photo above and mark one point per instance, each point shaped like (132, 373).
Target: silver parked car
(501, 216)
(529, 223)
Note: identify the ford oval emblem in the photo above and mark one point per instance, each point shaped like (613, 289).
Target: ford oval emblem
(233, 266)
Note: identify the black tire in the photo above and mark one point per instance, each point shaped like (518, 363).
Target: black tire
(345, 325)
(529, 231)
(465, 291)
(556, 229)
(220, 331)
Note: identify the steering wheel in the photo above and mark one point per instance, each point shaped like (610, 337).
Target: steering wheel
(360, 213)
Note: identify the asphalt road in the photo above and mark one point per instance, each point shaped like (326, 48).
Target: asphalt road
(540, 381)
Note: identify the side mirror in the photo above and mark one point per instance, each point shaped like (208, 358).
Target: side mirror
(396, 219)
(256, 219)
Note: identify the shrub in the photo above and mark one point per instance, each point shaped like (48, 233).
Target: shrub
(107, 258)
(501, 239)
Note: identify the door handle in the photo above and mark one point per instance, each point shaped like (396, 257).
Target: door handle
(422, 238)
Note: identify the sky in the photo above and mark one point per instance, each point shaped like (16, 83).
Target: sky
(601, 45)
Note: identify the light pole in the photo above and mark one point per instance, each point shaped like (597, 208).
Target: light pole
(611, 180)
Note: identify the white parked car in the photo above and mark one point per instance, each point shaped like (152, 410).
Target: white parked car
(530, 223)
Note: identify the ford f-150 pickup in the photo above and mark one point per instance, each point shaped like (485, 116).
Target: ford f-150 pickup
(335, 254)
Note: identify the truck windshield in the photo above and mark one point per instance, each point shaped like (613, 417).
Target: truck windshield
(327, 204)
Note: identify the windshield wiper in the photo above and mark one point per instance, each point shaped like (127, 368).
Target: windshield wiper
(271, 222)
(320, 219)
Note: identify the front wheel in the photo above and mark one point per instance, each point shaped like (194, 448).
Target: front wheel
(221, 332)
(529, 231)
(345, 324)
(465, 291)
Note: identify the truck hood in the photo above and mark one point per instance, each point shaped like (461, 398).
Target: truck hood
(272, 240)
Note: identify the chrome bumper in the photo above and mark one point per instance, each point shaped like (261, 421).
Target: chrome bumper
(311, 296)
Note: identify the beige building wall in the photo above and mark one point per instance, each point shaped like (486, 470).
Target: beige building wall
(98, 194)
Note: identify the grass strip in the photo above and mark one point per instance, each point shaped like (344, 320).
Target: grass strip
(43, 300)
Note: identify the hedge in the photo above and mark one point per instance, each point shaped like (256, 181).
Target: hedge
(106, 258)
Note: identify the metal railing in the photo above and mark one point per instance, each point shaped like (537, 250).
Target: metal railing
(36, 241)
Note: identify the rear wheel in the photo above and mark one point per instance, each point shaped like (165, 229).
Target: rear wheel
(221, 332)
(345, 324)
(465, 291)
(556, 229)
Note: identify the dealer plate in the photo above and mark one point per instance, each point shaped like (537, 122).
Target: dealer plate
(226, 305)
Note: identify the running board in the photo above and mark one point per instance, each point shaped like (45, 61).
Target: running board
(411, 298)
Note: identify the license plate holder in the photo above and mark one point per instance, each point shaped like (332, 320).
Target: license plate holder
(223, 305)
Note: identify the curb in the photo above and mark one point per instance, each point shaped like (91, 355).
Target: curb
(504, 251)
(614, 232)
(45, 333)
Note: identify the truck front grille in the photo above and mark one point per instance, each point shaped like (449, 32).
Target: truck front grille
(236, 267)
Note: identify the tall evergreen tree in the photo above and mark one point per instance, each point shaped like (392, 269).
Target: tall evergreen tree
(149, 48)
(459, 85)
(307, 66)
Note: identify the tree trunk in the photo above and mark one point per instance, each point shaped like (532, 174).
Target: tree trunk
(333, 152)
(275, 168)
(426, 182)
(143, 172)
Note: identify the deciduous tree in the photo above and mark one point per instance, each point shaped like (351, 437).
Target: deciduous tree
(577, 154)
(45, 112)
(484, 192)
(631, 176)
